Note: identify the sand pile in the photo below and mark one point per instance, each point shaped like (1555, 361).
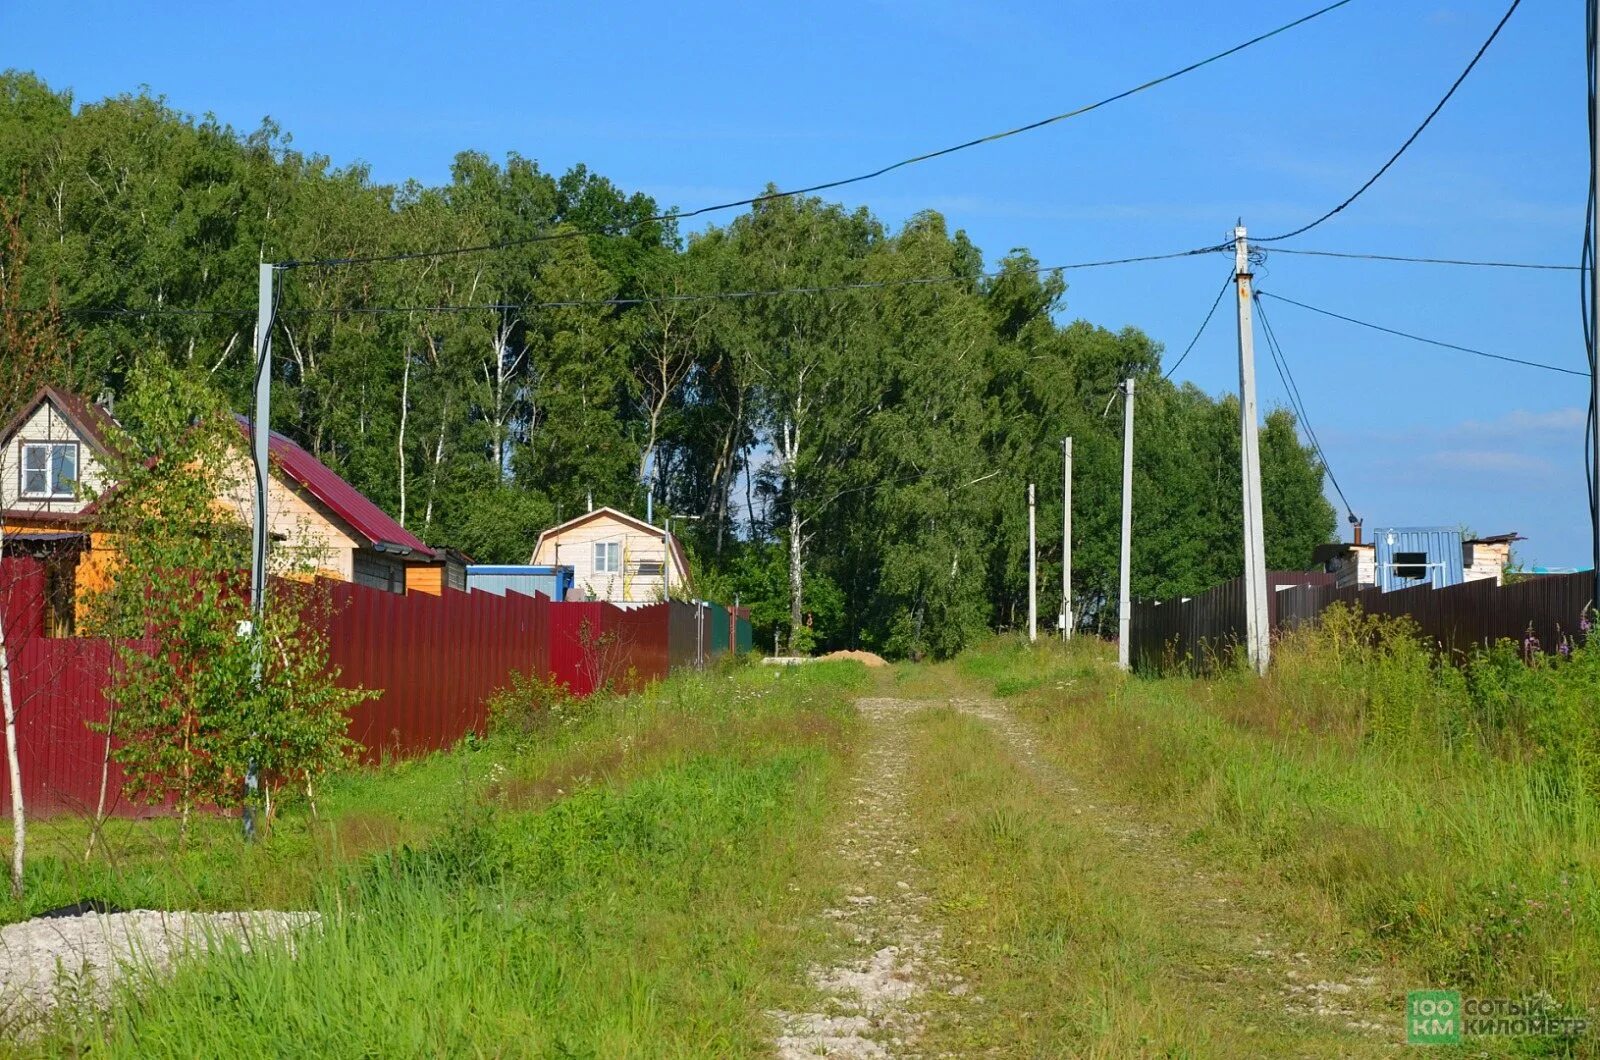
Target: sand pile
(866, 657)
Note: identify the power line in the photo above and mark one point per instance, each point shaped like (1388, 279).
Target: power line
(1281, 361)
(1430, 342)
(572, 303)
(1202, 330)
(1410, 139)
(1429, 261)
(831, 184)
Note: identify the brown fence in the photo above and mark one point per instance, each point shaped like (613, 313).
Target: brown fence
(435, 660)
(1199, 633)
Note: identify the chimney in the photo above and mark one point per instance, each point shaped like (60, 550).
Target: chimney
(590, 497)
(1357, 525)
(107, 402)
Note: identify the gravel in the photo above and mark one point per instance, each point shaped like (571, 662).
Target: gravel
(49, 960)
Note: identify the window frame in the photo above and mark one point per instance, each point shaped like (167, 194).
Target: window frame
(612, 550)
(50, 493)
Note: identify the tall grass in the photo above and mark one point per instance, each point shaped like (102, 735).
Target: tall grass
(615, 881)
(1445, 812)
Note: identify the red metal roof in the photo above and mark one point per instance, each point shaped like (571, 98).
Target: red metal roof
(347, 502)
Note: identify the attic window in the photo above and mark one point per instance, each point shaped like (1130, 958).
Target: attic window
(1411, 565)
(50, 470)
(608, 557)
(650, 568)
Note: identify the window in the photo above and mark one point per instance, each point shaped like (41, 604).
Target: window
(608, 557)
(1411, 565)
(49, 469)
(650, 568)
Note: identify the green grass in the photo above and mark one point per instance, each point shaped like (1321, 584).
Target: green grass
(1074, 947)
(617, 881)
(1459, 856)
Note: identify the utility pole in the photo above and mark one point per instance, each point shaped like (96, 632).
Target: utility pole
(260, 439)
(1066, 536)
(1593, 59)
(1257, 634)
(260, 429)
(666, 558)
(1033, 575)
(1125, 568)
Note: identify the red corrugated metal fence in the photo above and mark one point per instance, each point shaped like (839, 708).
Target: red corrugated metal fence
(435, 659)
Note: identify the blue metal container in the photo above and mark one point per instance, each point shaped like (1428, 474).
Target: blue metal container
(554, 582)
(1418, 555)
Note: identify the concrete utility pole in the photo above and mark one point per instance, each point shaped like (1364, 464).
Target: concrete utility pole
(1066, 536)
(1033, 575)
(259, 435)
(260, 438)
(666, 557)
(1257, 634)
(1125, 568)
(1593, 59)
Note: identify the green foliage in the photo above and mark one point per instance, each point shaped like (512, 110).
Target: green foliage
(201, 692)
(877, 442)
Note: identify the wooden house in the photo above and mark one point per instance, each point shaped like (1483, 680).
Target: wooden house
(54, 461)
(324, 524)
(616, 557)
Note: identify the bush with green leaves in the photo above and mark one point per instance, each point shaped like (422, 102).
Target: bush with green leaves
(203, 692)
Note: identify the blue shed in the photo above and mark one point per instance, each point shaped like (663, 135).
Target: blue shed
(1418, 555)
(526, 579)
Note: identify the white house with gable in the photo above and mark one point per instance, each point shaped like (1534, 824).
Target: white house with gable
(616, 557)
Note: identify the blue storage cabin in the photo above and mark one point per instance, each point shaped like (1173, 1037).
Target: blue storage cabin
(555, 582)
(1418, 555)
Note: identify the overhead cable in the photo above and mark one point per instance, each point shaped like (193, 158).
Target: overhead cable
(1429, 261)
(1227, 281)
(681, 215)
(1430, 342)
(572, 303)
(1437, 107)
(1281, 361)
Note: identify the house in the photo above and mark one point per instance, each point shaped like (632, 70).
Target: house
(323, 523)
(1401, 557)
(616, 557)
(54, 460)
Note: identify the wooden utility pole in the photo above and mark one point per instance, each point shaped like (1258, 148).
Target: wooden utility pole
(1257, 634)
(1125, 567)
(1066, 536)
(1033, 574)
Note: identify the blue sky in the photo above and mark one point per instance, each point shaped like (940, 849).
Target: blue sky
(695, 103)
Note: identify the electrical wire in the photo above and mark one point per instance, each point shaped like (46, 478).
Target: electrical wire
(573, 303)
(1430, 342)
(1410, 139)
(675, 216)
(1202, 330)
(1429, 261)
(1281, 361)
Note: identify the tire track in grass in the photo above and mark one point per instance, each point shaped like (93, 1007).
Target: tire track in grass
(873, 998)
(1250, 956)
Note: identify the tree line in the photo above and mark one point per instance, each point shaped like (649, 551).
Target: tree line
(854, 461)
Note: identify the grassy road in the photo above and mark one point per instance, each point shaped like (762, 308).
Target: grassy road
(1016, 854)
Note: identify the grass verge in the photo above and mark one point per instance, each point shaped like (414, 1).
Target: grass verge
(1460, 863)
(620, 882)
